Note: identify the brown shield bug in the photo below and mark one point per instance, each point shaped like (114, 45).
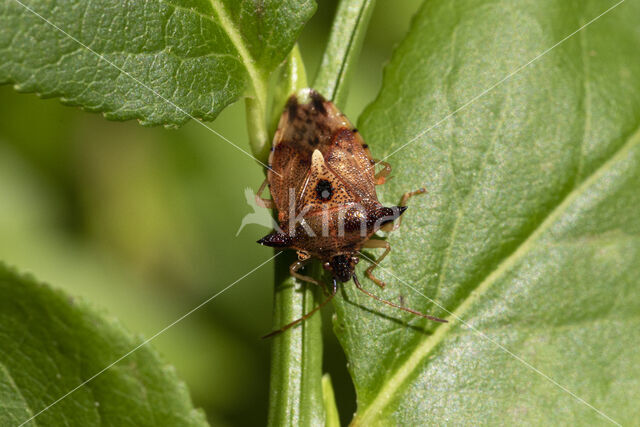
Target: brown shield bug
(322, 181)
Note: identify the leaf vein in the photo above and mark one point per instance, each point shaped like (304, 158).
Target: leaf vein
(13, 384)
(389, 388)
(587, 102)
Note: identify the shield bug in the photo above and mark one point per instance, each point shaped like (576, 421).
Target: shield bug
(322, 181)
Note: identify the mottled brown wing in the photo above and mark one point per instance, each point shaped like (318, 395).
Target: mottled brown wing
(349, 158)
(322, 189)
(316, 124)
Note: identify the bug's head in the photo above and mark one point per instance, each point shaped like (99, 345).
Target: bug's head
(342, 267)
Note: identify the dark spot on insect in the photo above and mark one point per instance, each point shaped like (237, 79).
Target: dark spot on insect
(272, 148)
(318, 102)
(355, 130)
(372, 162)
(292, 108)
(314, 141)
(342, 134)
(276, 240)
(365, 145)
(322, 129)
(324, 190)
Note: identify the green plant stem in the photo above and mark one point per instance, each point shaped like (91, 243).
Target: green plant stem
(256, 126)
(297, 393)
(296, 396)
(343, 49)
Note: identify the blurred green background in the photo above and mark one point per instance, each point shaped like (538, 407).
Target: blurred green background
(142, 223)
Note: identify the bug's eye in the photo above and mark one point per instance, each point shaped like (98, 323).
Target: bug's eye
(326, 266)
(355, 260)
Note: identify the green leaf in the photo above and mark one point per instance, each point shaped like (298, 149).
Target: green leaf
(51, 344)
(156, 61)
(529, 233)
(332, 418)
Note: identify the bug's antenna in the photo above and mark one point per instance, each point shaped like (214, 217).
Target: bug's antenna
(417, 313)
(334, 290)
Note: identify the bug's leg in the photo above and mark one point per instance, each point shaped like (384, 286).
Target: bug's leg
(381, 176)
(403, 202)
(297, 265)
(261, 201)
(407, 309)
(334, 290)
(374, 243)
(406, 196)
